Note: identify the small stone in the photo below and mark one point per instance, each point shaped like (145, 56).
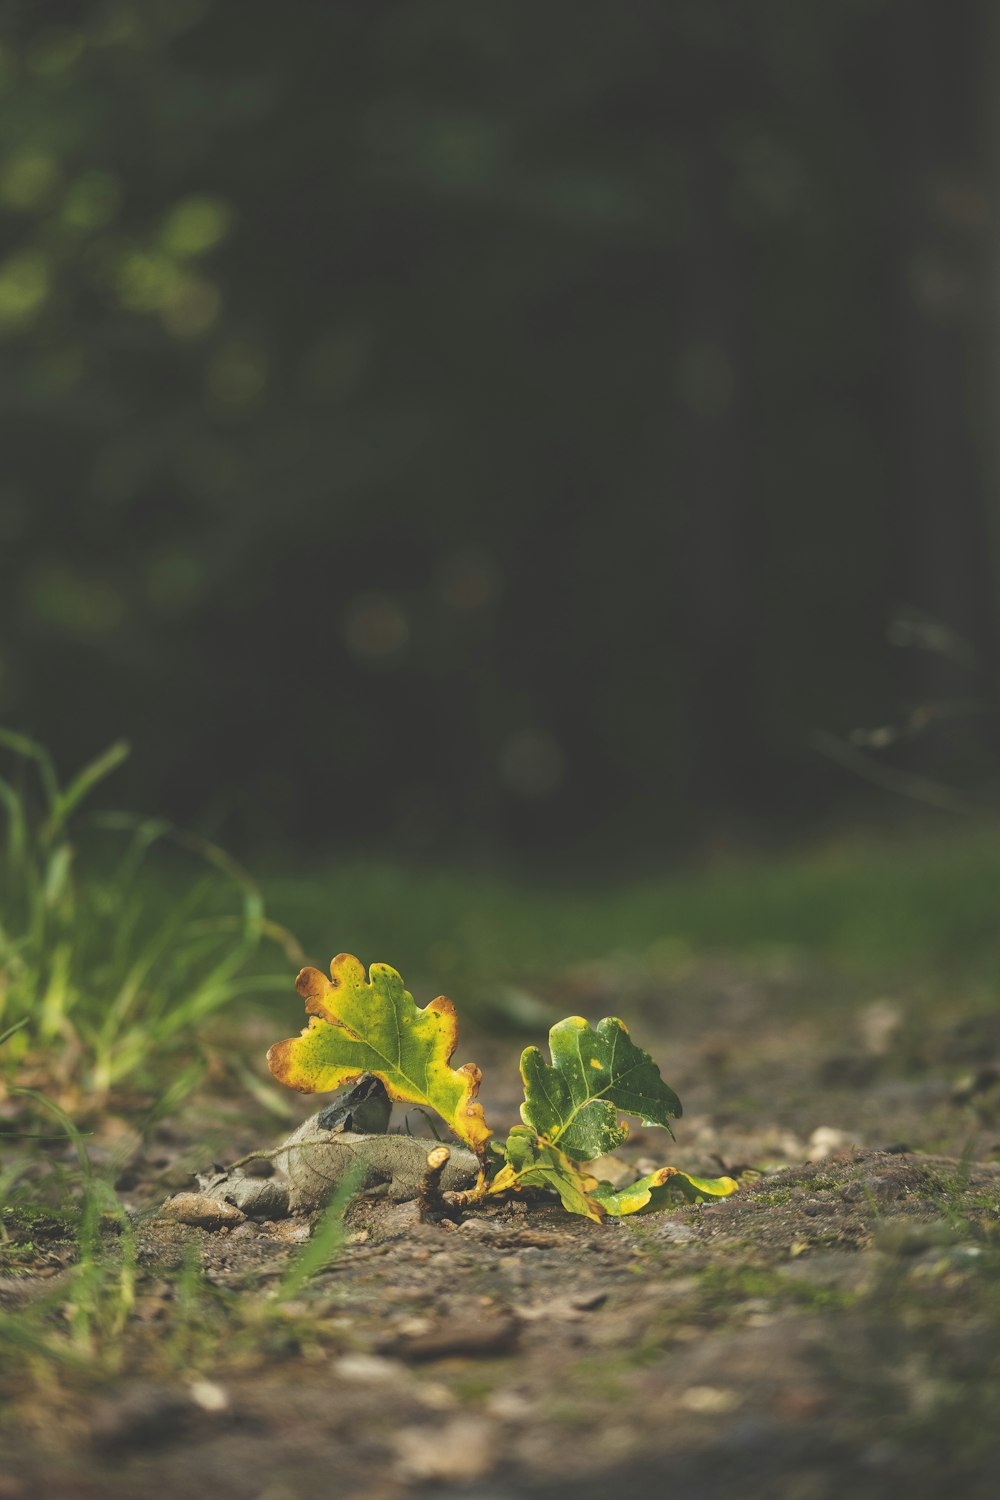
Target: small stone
(248, 1231)
(209, 1396)
(414, 1328)
(366, 1367)
(559, 1309)
(484, 1336)
(564, 1309)
(588, 1301)
(291, 1231)
(826, 1141)
(510, 1406)
(462, 1449)
(201, 1211)
(880, 1025)
(436, 1395)
(399, 1219)
(710, 1400)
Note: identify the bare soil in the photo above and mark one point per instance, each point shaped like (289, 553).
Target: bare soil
(831, 1328)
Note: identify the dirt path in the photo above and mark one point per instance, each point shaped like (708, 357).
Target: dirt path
(833, 1327)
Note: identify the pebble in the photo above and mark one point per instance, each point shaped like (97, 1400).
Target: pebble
(399, 1219)
(462, 1449)
(827, 1141)
(209, 1396)
(482, 1336)
(290, 1231)
(510, 1406)
(710, 1400)
(880, 1024)
(202, 1211)
(365, 1367)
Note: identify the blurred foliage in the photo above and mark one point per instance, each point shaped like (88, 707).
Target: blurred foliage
(917, 915)
(108, 977)
(463, 424)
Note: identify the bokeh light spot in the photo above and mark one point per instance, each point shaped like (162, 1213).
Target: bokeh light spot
(192, 307)
(71, 603)
(196, 225)
(236, 378)
(376, 628)
(91, 201)
(336, 364)
(55, 53)
(27, 179)
(146, 280)
(174, 580)
(470, 579)
(25, 283)
(530, 763)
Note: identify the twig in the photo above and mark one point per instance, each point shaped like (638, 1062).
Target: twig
(891, 779)
(430, 1199)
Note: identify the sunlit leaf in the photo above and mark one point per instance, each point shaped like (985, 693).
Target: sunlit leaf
(374, 1026)
(665, 1188)
(530, 1162)
(595, 1072)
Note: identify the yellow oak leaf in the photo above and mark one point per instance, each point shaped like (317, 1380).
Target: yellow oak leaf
(373, 1025)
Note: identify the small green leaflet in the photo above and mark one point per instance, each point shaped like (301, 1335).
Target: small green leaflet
(665, 1188)
(534, 1163)
(595, 1072)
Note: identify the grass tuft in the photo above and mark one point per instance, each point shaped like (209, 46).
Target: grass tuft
(111, 956)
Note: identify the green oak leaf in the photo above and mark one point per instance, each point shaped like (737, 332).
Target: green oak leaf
(374, 1026)
(595, 1072)
(530, 1162)
(664, 1188)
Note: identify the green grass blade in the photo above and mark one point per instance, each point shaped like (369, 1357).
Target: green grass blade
(21, 745)
(85, 781)
(18, 1333)
(253, 900)
(327, 1239)
(68, 1125)
(17, 825)
(11, 1029)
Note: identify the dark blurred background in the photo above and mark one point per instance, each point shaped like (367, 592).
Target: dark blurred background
(466, 429)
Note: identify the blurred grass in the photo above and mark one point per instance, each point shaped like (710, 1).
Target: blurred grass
(122, 939)
(875, 910)
(119, 936)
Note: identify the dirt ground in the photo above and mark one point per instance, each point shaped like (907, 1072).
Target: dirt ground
(833, 1327)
